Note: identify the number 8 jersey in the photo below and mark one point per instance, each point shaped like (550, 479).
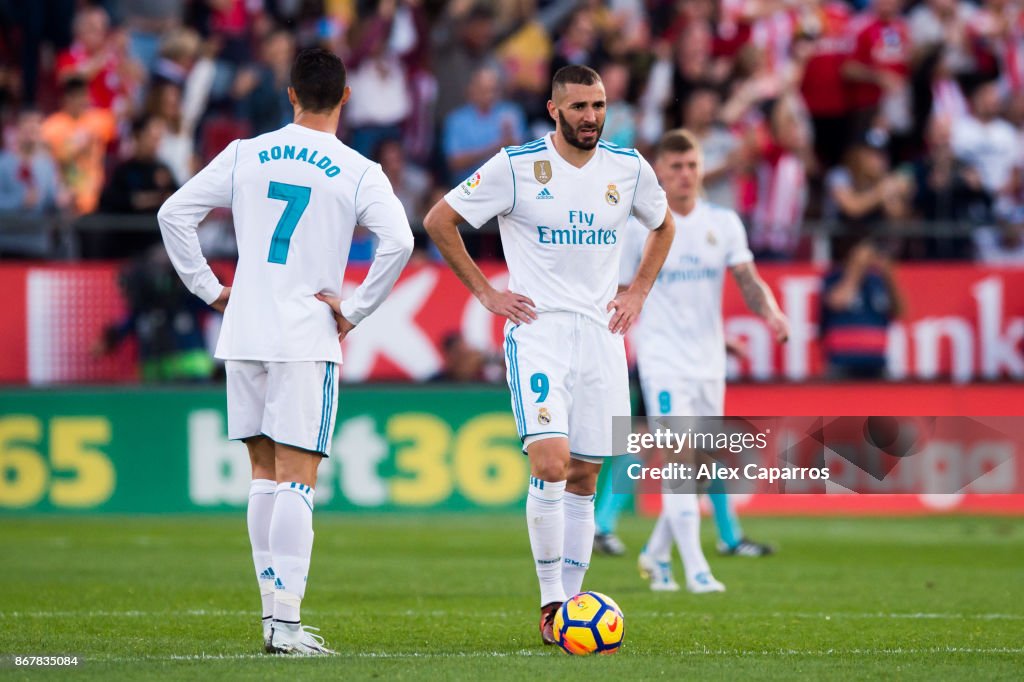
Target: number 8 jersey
(296, 195)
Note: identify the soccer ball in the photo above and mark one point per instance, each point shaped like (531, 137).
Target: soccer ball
(589, 623)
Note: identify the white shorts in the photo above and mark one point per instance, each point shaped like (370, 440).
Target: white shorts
(292, 403)
(568, 377)
(665, 395)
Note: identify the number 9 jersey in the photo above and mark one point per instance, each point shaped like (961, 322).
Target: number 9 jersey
(296, 195)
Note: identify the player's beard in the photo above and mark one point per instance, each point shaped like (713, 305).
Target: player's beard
(571, 135)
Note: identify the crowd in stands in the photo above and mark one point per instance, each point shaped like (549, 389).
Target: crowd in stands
(868, 115)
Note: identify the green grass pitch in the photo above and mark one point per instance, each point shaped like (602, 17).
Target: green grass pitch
(453, 597)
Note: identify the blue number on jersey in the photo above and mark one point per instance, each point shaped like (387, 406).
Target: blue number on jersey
(539, 385)
(665, 402)
(298, 199)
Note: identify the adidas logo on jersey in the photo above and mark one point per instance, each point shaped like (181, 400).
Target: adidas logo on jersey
(545, 194)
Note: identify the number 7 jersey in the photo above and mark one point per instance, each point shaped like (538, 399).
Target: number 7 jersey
(296, 195)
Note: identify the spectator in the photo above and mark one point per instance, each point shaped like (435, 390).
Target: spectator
(938, 92)
(30, 189)
(1004, 244)
(723, 154)
(579, 43)
(462, 39)
(29, 181)
(755, 87)
(137, 186)
(177, 144)
(100, 57)
(177, 53)
(943, 23)
(165, 319)
(999, 42)
(462, 362)
(878, 69)
(620, 123)
(859, 300)
(829, 45)
(410, 42)
(864, 191)
(947, 189)
(262, 89)
(410, 183)
(677, 70)
(378, 78)
(205, 84)
(773, 25)
(146, 21)
(78, 136)
(781, 182)
(229, 22)
(475, 131)
(525, 57)
(632, 23)
(142, 183)
(179, 94)
(988, 143)
(43, 23)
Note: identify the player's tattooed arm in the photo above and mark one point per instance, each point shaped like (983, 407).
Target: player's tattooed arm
(760, 299)
(442, 224)
(628, 303)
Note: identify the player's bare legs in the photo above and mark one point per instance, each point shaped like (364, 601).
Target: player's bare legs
(582, 479)
(545, 521)
(296, 464)
(260, 511)
(291, 544)
(261, 457)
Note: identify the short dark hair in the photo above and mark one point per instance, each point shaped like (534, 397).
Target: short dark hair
(318, 78)
(574, 74)
(678, 141)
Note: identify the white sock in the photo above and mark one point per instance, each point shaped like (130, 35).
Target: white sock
(579, 541)
(545, 521)
(659, 546)
(682, 511)
(261, 508)
(291, 543)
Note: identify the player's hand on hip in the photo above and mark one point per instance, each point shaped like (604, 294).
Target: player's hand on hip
(779, 325)
(626, 307)
(222, 301)
(516, 307)
(344, 326)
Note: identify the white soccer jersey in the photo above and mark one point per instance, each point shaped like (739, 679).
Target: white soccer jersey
(296, 195)
(561, 226)
(679, 332)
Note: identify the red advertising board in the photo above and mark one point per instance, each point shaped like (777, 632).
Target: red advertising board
(963, 323)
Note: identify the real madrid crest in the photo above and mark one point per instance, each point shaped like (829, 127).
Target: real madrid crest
(543, 416)
(542, 171)
(711, 238)
(612, 196)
